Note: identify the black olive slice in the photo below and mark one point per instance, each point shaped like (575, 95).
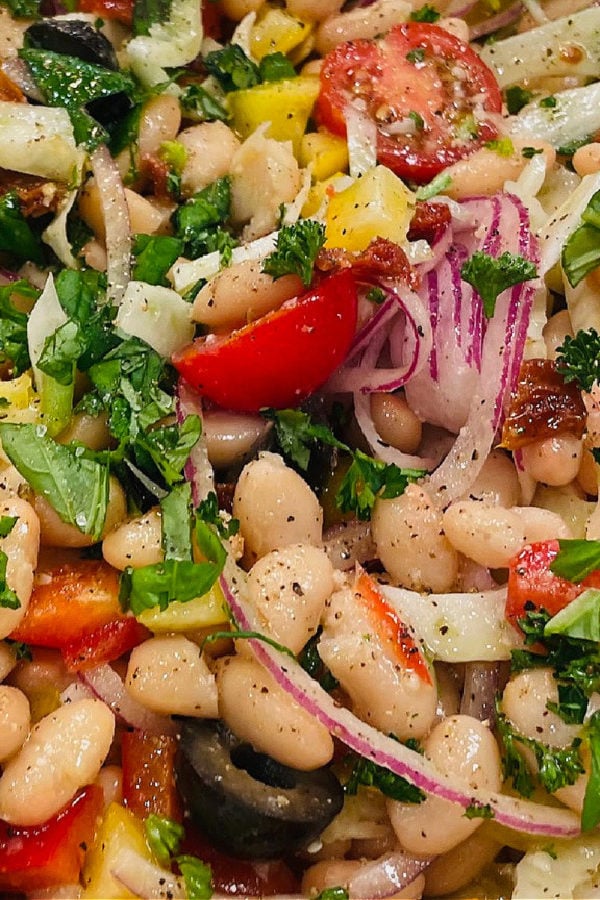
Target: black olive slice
(73, 37)
(248, 804)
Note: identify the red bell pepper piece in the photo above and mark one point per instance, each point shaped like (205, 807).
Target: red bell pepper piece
(104, 644)
(148, 763)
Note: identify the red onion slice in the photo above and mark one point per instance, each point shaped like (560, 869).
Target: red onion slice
(144, 879)
(515, 813)
(107, 685)
(198, 470)
(348, 543)
(116, 221)
(385, 876)
(493, 23)
(482, 682)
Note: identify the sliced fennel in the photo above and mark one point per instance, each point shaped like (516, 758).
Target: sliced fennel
(575, 116)
(169, 44)
(157, 315)
(39, 140)
(564, 221)
(185, 273)
(457, 627)
(55, 235)
(543, 51)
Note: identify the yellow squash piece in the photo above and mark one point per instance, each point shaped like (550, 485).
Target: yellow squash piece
(377, 205)
(276, 31)
(325, 153)
(286, 105)
(119, 830)
(201, 612)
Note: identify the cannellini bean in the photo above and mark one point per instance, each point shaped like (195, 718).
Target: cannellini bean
(490, 535)
(240, 294)
(237, 9)
(384, 692)
(556, 330)
(230, 436)
(463, 748)
(328, 873)
(553, 460)
(288, 588)
(160, 121)
(144, 218)
(264, 174)
(313, 10)
(63, 752)
(542, 524)
(110, 779)
(485, 171)
(395, 422)
(461, 865)
(411, 543)
(14, 720)
(586, 159)
(21, 546)
(8, 660)
(268, 718)
(11, 34)
(56, 533)
(135, 543)
(210, 148)
(362, 22)
(92, 431)
(32, 676)
(275, 507)
(168, 675)
(587, 476)
(497, 482)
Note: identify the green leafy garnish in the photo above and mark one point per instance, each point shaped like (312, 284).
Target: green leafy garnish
(580, 619)
(154, 255)
(198, 222)
(197, 877)
(296, 250)
(76, 487)
(312, 663)
(436, 186)
(202, 105)
(530, 152)
(490, 276)
(576, 559)
(416, 56)
(368, 773)
(208, 511)
(479, 811)
(147, 13)
(232, 68)
(571, 706)
(590, 814)
(176, 523)
(333, 893)
(426, 13)
(503, 147)
(275, 67)
(548, 102)
(164, 837)
(20, 649)
(16, 235)
(23, 9)
(8, 598)
(581, 252)
(13, 326)
(516, 98)
(70, 82)
(237, 635)
(578, 358)
(375, 295)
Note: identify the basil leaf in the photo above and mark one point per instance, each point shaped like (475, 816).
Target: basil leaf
(197, 877)
(76, 487)
(333, 893)
(572, 704)
(197, 222)
(590, 814)
(202, 105)
(162, 583)
(164, 837)
(275, 67)
(232, 68)
(580, 619)
(576, 559)
(70, 82)
(16, 236)
(60, 352)
(368, 773)
(581, 252)
(154, 256)
(169, 447)
(490, 276)
(8, 598)
(13, 326)
(176, 523)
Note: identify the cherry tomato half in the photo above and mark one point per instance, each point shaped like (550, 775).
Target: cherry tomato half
(425, 90)
(281, 358)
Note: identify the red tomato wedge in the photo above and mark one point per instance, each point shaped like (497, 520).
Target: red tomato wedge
(148, 762)
(104, 644)
(281, 358)
(50, 854)
(532, 585)
(69, 602)
(426, 90)
(390, 627)
(121, 10)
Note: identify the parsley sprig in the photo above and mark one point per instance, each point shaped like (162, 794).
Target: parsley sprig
(490, 276)
(578, 358)
(296, 250)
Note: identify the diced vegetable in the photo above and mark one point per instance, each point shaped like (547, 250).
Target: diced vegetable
(157, 315)
(148, 762)
(120, 829)
(201, 612)
(38, 140)
(286, 105)
(169, 45)
(276, 31)
(325, 153)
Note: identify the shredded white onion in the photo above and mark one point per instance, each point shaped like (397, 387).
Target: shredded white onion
(116, 220)
(361, 134)
(144, 879)
(107, 685)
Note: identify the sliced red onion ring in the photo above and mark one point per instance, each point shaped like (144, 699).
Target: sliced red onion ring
(116, 222)
(107, 685)
(521, 815)
(385, 876)
(493, 23)
(198, 470)
(144, 879)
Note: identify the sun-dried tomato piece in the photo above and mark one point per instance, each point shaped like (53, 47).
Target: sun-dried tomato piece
(37, 196)
(381, 259)
(542, 406)
(429, 221)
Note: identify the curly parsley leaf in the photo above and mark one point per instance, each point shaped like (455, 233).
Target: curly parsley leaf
(333, 893)
(197, 876)
(576, 559)
(479, 811)
(232, 68)
(490, 276)
(198, 223)
(590, 814)
(426, 13)
(578, 358)
(297, 435)
(296, 250)
(581, 252)
(208, 511)
(23, 9)
(368, 773)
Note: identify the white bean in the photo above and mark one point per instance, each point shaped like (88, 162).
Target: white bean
(465, 749)
(47, 666)
(554, 460)
(210, 148)
(21, 546)
(168, 675)
(586, 159)
(461, 865)
(288, 588)
(135, 543)
(542, 524)
(268, 718)
(230, 435)
(411, 544)
(14, 720)
(160, 121)
(56, 533)
(362, 22)
(110, 779)
(485, 171)
(328, 873)
(395, 422)
(384, 692)
(8, 660)
(491, 535)
(275, 507)
(313, 10)
(556, 330)
(63, 752)
(497, 482)
(240, 294)
(89, 430)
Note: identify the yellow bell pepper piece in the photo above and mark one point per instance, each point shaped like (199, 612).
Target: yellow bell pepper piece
(286, 105)
(317, 195)
(326, 153)
(22, 405)
(119, 829)
(276, 31)
(201, 612)
(377, 205)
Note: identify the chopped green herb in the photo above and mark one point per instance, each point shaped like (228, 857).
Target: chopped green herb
(154, 255)
(416, 56)
(516, 98)
(376, 295)
(479, 811)
(576, 559)
(548, 102)
(490, 276)
(8, 598)
(20, 649)
(237, 635)
(417, 119)
(197, 877)
(275, 67)
(580, 619)
(232, 68)
(571, 706)
(333, 893)
(503, 147)
(590, 814)
(530, 152)
(296, 250)
(198, 222)
(70, 82)
(208, 511)
(23, 9)
(202, 105)
(161, 583)
(437, 185)
(312, 663)
(426, 13)
(581, 252)
(16, 235)
(164, 837)
(176, 523)
(149, 12)
(13, 326)
(368, 773)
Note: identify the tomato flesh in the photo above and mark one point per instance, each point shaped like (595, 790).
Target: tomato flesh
(104, 644)
(120, 10)
(532, 585)
(426, 90)
(282, 357)
(50, 854)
